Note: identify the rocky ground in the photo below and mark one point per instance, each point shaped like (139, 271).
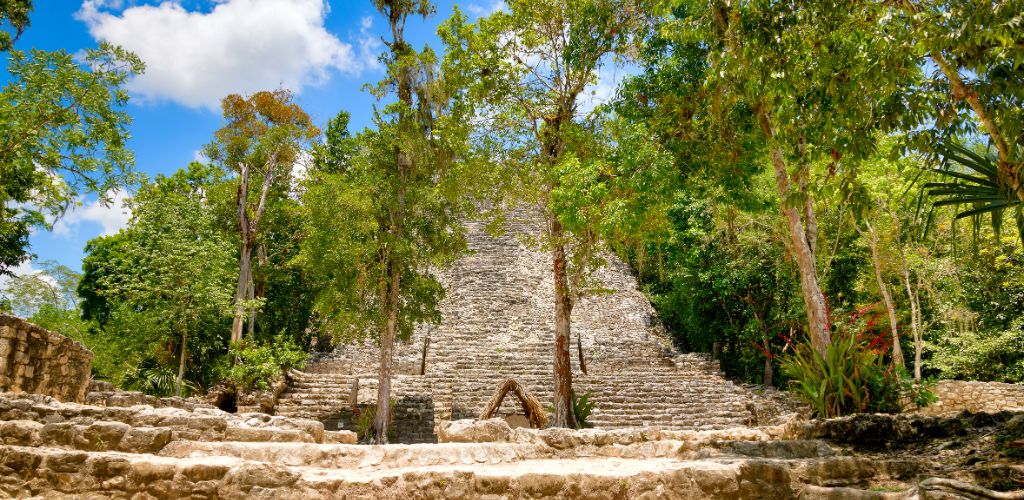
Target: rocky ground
(986, 449)
(174, 448)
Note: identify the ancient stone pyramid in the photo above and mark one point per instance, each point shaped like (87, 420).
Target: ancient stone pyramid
(497, 322)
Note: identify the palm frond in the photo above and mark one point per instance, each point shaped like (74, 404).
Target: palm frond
(972, 181)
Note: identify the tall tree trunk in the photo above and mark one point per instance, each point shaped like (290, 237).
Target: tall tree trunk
(769, 370)
(915, 324)
(396, 13)
(918, 330)
(564, 414)
(382, 421)
(814, 298)
(250, 296)
(181, 365)
(876, 262)
(244, 279)
(245, 252)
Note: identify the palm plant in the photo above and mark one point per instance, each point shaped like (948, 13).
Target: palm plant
(972, 180)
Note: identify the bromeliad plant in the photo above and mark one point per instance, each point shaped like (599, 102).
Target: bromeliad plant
(843, 381)
(851, 378)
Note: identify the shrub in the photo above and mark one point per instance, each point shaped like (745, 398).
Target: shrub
(364, 422)
(259, 364)
(983, 355)
(850, 378)
(155, 379)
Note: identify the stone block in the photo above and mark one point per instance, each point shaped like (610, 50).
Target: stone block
(145, 440)
(474, 431)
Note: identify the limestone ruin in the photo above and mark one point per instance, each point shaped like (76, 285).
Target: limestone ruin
(668, 425)
(497, 323)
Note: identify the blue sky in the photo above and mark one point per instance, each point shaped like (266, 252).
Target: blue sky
(197, 51)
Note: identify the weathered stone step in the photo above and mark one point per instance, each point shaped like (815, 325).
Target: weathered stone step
(41, 471)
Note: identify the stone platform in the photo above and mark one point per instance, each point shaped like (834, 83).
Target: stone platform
(56, 450)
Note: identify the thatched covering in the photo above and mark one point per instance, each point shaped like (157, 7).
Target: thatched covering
(531, 406)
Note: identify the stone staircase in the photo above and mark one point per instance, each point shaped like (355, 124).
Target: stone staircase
(497, 322)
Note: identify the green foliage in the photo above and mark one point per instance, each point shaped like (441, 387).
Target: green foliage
(972, 180)
(155, 379)
(364, 422)
(996, 355)
(720, 276)
(167, 277)
(850, 378)
(258, 365)
(980, 41)
(47, 298)
(352, 241)
(582, 408)
(15, 13)
(65, 134)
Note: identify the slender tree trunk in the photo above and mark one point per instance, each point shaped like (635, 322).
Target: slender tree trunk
(915, 311)
(914, 322)
(769, 370)
(382, 420)
(918, 331)
(564, 414)
(250, 296)
(181, 365)
(245, 252)
(876, 262)
(814, 299)
(396, 13)
(244, 278)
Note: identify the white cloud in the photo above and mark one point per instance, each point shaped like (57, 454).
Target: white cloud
(609, 76)
(239, 46)
(369, 44)
(110, 216)
(483, 11)
(23, 269)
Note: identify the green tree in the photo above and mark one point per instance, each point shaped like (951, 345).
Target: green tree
(263, 140)
(527, 69)
(173, 274)
(388, 206)
(65, 134)
(819, 79)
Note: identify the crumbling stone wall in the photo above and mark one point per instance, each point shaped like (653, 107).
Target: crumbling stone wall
(955, 396)
(36, 361)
